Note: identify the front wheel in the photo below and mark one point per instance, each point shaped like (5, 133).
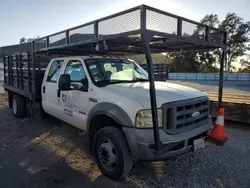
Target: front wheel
(111, 153)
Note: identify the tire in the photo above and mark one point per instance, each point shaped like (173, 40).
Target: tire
(10, 98)
(103, 140)
(18, 106)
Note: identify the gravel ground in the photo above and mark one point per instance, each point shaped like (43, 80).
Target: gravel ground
(47, 153)
(236, 87)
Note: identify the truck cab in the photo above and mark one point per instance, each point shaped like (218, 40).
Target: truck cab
(108, 98)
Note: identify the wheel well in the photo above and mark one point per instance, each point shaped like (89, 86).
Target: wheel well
(10, 96)
(99, 122)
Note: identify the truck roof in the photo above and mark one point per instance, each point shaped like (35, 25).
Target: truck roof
(103, 57)
(95, 57)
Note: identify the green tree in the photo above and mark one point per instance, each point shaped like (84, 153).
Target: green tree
(245, 63)
(238, 37)
(209, 58)
(184, 62)
(156, 58)
(22, 40)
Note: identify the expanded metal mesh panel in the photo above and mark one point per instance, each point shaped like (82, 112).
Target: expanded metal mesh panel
(120, 24)
(58, 39)
(82, 33)
(159, 22)
(193, 31)
(39, 44)
(215, 36)
(168, 29)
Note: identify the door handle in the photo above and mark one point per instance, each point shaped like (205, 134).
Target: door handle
(58, 93)
(43, 89)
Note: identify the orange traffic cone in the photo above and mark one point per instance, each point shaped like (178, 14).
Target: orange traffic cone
(217, 134)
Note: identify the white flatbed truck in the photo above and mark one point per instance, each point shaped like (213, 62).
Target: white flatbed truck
(126, 113)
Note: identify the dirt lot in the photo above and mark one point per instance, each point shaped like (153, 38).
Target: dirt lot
(47, 153)
(1, 88)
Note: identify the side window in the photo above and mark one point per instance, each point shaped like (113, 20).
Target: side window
(54, 71)
(96, 72)
(77, 74)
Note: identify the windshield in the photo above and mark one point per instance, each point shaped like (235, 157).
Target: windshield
(115, 71)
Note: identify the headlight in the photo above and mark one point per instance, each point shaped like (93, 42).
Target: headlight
(144, 119)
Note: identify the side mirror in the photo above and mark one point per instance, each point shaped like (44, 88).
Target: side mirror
(64, 82)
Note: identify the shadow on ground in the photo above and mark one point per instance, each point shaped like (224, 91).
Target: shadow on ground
(46, 153)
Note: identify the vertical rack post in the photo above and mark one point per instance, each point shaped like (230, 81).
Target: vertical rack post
(146, 38)
(4, 69)
(96, 29)
(21, 70)
(28, 64)
(11, 71)
(17, 71)
(96, 33)
(179, 27)
(33, 69)
(222, 62)
(8, 65)
(67, 37)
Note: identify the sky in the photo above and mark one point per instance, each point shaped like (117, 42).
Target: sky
(32, 18)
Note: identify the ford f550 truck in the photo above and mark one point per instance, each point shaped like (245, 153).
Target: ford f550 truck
(126, 113)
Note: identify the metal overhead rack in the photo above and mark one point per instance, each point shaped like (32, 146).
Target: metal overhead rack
(139, 30)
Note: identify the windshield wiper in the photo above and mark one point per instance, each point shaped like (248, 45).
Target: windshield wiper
(107, 82)
(140, 80)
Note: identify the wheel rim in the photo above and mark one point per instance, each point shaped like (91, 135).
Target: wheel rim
(107, 154)
(14, 106)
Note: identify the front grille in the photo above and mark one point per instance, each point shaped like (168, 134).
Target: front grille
(184, 115)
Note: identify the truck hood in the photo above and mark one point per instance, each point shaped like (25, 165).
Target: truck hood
(165, 92)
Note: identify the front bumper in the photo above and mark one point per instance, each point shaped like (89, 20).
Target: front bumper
(140, 142)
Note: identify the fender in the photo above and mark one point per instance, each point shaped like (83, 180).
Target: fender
(113, 111)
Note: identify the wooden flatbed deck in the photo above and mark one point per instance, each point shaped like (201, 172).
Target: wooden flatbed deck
(237, 106)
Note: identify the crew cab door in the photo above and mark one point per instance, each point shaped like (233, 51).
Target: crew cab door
(75, 101)
(49, 88)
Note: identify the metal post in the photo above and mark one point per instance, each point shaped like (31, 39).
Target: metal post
(179, 27)
(146, 38)
(11, 71)
(207, 34)
(47, 43)
(17, 71)
(67, 37)
(34, 77)
(9, 68)
(152, 95)
(29, 80)
(221, 78)
(222, 62)
(4, 69)
(21, 70)
(34, 68)
(96, 33)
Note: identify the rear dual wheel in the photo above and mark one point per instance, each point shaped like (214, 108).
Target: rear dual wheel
(18, 106)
